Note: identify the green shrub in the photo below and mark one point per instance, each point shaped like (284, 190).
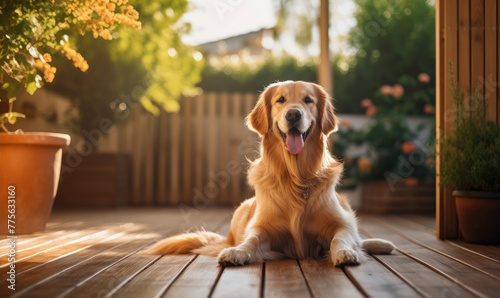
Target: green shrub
(470, 153)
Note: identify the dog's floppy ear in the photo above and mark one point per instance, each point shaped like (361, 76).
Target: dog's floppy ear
(328, 119)
(258, 120)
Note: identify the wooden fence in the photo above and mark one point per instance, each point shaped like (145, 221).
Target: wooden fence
(195, 157)
(467, 35)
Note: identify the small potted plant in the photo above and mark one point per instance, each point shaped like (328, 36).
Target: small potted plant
(470, 165)
(31, 31)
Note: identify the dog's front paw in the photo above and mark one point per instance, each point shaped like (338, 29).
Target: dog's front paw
(234, 256)
(345, 256)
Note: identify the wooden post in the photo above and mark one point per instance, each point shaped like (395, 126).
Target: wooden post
(325, 77)
(490, 58)
(447, 215)
(467, 36)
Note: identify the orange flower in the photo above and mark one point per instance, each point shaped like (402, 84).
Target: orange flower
(424, 78)
(47, 57)
(386, 90)
(411, 181)
(364, 165)
(49, 72)
(428, 109)
(371, 111)
(77, 58)
(398, 91)
(407, 147)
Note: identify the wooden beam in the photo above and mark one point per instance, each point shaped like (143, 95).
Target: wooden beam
(490, 58)
(446, 49)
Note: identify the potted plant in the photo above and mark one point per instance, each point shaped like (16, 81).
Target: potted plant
(470, 165)
(31, 31)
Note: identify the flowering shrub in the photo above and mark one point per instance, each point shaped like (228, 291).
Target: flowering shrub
(390, 142)
(31, 31)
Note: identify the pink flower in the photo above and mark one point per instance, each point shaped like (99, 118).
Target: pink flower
(345, 124)
(366, 102)
(397, 91)
(371, 111)
(428, 109)
(424, 78)
(386, 90)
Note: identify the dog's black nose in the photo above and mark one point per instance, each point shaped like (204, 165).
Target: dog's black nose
(293, 115)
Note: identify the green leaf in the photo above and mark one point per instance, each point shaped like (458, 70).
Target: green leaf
(31, 87)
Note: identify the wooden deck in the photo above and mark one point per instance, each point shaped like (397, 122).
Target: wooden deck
(96, 254)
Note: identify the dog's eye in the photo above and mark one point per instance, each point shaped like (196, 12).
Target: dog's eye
(307, 100)
(281, 100)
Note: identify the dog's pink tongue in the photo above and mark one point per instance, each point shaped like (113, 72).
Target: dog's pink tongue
(294, 142)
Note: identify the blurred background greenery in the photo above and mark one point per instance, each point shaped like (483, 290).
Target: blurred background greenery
(382, 59)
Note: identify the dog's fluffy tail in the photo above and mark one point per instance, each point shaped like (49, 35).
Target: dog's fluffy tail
(202, 242)
(378, 246)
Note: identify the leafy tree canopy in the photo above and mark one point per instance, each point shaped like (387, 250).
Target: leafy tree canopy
(150, 66)
(392, 43)
(392, 39)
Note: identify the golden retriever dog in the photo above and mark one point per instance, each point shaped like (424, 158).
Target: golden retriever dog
(296, 212)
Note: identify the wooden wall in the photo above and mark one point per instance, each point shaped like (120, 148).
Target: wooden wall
(467, 35)
(195, 157)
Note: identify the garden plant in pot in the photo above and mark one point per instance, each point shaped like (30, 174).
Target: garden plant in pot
(470, 165)
(31, 161)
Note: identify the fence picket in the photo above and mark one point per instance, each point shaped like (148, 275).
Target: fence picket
(181, 156)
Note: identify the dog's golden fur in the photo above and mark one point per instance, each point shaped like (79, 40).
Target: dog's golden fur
(296, 211)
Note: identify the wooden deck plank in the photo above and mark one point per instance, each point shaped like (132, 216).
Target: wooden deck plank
(429, 222)
(240, 281)
(94, 229)
(197, 280)
(377, 281)
(65, 281)
(325, 280)
(64, 247)
(283, 278)
(34, 275)
(114, 277)
(487, 251)
(156, 278)
(58, 252)
(472, 280)
(428, 240)
(76, 258)
(424, 280)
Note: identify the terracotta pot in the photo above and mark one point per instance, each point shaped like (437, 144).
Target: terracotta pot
(478, 216)
(30, 167)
